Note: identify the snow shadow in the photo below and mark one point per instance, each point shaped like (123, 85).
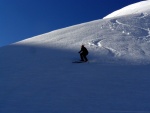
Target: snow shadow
(26, 57)
(36, 79)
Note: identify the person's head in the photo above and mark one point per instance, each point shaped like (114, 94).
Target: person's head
(82, 45)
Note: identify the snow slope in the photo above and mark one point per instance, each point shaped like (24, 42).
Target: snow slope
(37, 74)
(124, 38)
(140, 7)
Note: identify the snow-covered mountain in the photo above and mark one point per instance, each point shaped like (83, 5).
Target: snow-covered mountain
(37, 74)
(142, 7)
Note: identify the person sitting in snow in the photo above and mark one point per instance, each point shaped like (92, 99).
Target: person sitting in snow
(83, 53)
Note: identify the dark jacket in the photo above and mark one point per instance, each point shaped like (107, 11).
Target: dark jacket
(83, 50)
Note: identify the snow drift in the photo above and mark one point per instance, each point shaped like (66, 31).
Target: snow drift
(37, 74)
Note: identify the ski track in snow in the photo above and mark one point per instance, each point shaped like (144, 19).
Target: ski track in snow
(147, 30)
(116, 21)
(98, 44)
(124, 28)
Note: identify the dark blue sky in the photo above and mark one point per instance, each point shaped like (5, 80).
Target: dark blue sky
(21, 19)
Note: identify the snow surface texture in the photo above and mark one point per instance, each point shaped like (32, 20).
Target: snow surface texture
(124, 39)
(37, 74)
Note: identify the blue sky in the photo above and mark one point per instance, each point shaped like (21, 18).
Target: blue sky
(21, 19)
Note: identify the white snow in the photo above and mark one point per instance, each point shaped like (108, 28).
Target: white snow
(37, 74)
(142, 7)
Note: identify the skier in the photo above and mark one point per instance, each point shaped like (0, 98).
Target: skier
(83, 53)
